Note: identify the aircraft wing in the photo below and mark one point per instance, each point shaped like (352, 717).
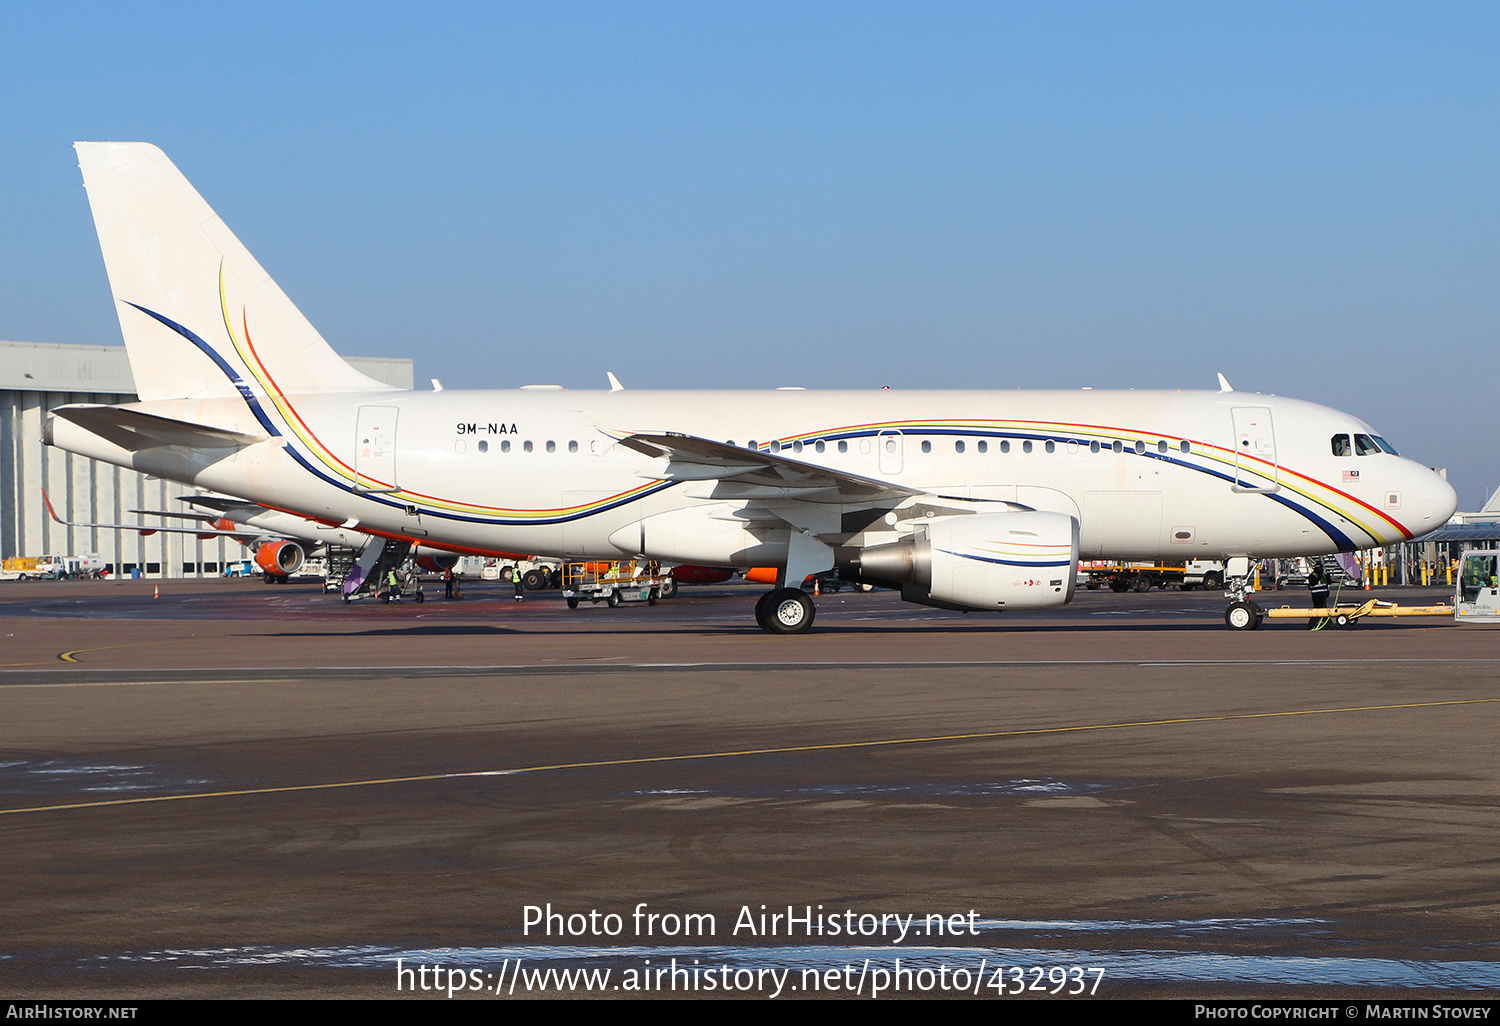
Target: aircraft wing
(756, 474)
(135, 431)
(224, 504)
(202, 531)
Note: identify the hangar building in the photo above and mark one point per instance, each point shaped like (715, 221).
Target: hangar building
(37, 376)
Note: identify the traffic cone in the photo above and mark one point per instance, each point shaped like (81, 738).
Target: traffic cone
(156, 592)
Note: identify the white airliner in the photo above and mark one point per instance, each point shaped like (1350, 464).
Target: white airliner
(961, 499)
(279, 542)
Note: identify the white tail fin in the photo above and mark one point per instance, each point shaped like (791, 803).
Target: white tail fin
(201, 318)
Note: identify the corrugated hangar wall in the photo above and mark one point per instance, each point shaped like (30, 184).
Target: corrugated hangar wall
(34, 378)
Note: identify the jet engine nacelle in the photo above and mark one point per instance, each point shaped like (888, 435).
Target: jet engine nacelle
(280, 558)
(1019, 560)
(693, 573)
(435, 562)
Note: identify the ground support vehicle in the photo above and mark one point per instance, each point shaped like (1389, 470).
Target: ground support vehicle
(1477, 599)
(1140, 576)
(1348, 615)
(536, 574)
(613, 583)
(20, 568)
(1207, 574)
(408, 588)
(53, 568)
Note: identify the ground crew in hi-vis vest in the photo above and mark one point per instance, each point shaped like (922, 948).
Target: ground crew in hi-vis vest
(1317, 583)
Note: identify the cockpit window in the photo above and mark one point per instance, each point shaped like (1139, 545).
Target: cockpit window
(1341, 445)
(1364, 445)
(1386, 446)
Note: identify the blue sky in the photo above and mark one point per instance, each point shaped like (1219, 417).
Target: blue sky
(1303, 196)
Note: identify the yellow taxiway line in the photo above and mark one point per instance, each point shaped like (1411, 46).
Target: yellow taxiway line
(741, 753)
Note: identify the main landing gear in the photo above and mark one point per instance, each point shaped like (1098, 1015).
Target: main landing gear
(785, 611)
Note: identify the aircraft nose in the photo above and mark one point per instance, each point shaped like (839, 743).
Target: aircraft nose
(1436, 502)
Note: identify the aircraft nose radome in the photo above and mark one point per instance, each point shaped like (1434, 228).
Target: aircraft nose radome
(1438, 502)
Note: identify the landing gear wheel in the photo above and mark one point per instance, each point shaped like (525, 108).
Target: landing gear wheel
(786, 611)
(613, 600)
(1242, 616)
(760, 609)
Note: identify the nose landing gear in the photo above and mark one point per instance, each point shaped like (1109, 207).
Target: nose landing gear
(1242, 614)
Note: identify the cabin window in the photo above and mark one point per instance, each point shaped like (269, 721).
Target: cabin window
(551, 445)
(1185, 445)
(1364, 445)
(926, 446)
(1140, 447)
(775, 445)
(1341, 445)
(1026, 445)
(1161, 446)
(818, 446)
(958, 446)
(796, 447)
(843, 446)
(1005, 446)
(484, 446)
(526, 445)
(505, 446)
(1118, 446)
(1051, 445)
(984, 447)
(750, 445)
(1094, 446)
(572, 446)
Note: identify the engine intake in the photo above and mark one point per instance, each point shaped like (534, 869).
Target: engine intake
(281, 558)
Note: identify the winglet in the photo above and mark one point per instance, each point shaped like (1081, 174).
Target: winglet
(614, 382)
(52, 512)
(1224, 385)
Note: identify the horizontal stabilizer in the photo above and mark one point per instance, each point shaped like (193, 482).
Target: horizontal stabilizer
(135, 431)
